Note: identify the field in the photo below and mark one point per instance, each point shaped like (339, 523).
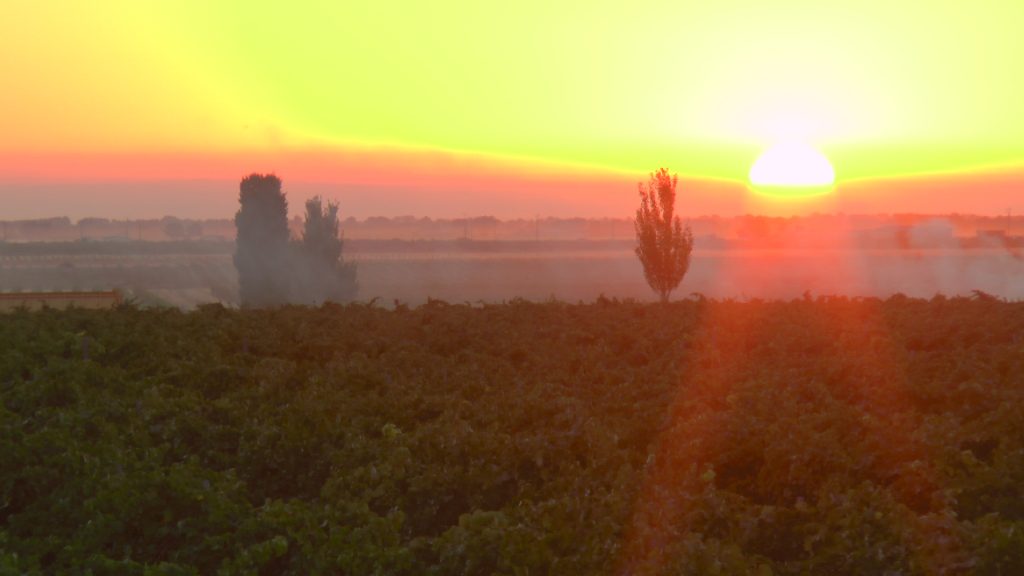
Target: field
(810, 436)
(185, 274)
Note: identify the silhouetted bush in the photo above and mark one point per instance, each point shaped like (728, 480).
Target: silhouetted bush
(320, 275)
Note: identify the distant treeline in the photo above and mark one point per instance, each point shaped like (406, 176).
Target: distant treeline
(399, 246)
(213, 247)
(880, 231)
(110, 248)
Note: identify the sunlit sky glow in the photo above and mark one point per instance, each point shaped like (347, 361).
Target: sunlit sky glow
(792, 164)
(883, 88)
(792, 168)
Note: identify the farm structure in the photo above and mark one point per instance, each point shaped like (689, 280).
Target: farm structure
(79, 299)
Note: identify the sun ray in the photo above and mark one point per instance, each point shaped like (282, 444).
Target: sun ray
(695, 454)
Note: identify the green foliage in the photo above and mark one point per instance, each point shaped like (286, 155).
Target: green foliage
(662, 244)
(828, 436)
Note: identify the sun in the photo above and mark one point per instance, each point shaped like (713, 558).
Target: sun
(792, 169)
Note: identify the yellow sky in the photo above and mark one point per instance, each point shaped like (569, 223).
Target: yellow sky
(883, 88)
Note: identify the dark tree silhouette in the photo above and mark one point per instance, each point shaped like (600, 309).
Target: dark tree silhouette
(261, 252)
(662, 243)
(322, 275)
(173, 227)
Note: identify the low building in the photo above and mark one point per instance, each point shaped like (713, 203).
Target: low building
(79, 299)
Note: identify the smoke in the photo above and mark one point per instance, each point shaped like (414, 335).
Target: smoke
(934, 233)
(937, 262)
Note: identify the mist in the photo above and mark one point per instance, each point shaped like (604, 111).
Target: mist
(408, 260)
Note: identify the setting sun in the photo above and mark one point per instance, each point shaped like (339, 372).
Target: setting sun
(792, 169)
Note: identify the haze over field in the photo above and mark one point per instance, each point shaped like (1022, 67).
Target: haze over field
(189, 262)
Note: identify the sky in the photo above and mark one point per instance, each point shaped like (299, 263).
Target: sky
(537, 106)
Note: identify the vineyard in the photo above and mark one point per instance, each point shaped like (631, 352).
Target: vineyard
(811, 436)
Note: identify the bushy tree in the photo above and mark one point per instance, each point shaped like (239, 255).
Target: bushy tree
(663, 244)
(173, 227)
(261, 252)
(321, 273)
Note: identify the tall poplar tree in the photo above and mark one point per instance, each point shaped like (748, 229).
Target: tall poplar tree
(663, 245)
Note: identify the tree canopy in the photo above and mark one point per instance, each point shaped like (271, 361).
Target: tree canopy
(663, 244)
(261, 253)
(272, 270)
(322, 275)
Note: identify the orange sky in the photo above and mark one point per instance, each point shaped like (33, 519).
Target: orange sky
(392, 182)
(547, 107)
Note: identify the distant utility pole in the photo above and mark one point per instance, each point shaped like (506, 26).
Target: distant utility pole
(536, 228)
(138, 224)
